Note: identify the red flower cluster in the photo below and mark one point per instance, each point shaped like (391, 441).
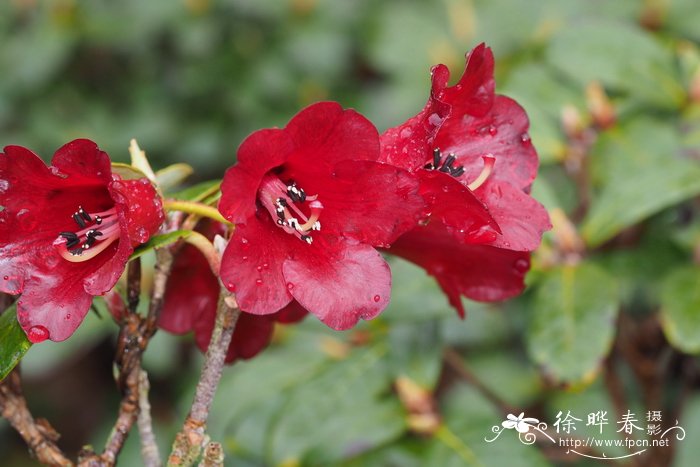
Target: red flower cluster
(66, 233)
(311, 203)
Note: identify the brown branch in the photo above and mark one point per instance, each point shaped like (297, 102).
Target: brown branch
(149, 448)
(190, 440)
(134, 336)
(38, 434)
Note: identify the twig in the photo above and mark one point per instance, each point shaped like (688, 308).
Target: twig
(189, 441)
(38, 434)
(134, 336)
(149, 448)
(213, 456)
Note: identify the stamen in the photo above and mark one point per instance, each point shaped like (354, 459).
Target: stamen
(316, 208)
(68, 241)
(489, 162)
(83, 254)
(79, 220)
(447, 164)
(84, 214)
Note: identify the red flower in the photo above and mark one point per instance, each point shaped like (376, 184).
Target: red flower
(66, 233)
(310, 202)
(471, 151)
(190, 305)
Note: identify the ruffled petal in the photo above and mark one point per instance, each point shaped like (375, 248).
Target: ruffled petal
(138, 202)
(342, 284)
(355, 207)
(251, 266)
(81, 160)
(502, 133)
(480, 272)
(258, 154)
(325, 134)
(522, 219)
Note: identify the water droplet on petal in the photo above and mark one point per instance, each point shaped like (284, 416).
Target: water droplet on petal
(244, 241)
(290, 286)
(7, 278)
(525, 139)
(231, 286)
(521, 266)
(37, 334)
(259, 281)
(376, 298)
(67, 316)
(244, 258)
(493, 130)
(259, 268)
(142, 234)
(266, 266)
(485, 234)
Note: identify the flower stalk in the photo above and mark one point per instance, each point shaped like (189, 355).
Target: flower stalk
(192, 207)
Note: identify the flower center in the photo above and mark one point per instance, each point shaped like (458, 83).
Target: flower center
(447, 166)
(97, 231)
(284, 202)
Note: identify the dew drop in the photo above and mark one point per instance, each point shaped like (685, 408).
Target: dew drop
(231, 286)
(37, 334)
(7, 278)
(485, 234)
(493, 130)
(290, 286)
(376, 298)
(266, 266)
(259, 281)
(259, 268)
(142, 234)
(525, 139)
(67, 317)
(244, 241)
(521, 266)
(244, 258)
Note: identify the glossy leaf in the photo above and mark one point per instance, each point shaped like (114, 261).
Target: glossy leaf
(572, 323)
(680, 309)
(199, 192)
(159, 241)
(13, 342)
(639, 169)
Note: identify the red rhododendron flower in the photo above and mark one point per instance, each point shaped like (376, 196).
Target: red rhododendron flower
(471, 151)
(66, 233)
(191, 299)
(310, 203)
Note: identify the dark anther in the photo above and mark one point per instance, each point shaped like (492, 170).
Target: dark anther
(76, 252)
(71, 243)
(79, 220)
(296, 194)
(98, 220)
(280, 221)
(307, 239)
(436, 158)
(89, 242)
(93, 233)
(282, 202)
(69, 235)
(446, 165)
(84, 214)
(456, 172)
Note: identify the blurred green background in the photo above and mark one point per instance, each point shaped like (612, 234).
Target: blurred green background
(611, 320)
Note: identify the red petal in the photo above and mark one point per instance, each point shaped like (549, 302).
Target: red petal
(341, 284)
(455, 206)
(192, 292)
(325, 134)
(251, 266)
(142, 208)
(480, 272)
(259, 153)
(81, 160)
(502, 132)
(292, 313)
(354, 207)
(521, 218)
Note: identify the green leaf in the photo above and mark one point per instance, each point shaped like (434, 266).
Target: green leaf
(13, 342)
(640, 169)
(173, 175)
(680, 306)
(158, 241)
(625, 59)
(198, 192)
(572, 324)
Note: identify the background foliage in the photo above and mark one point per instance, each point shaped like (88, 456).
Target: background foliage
(611, 319)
